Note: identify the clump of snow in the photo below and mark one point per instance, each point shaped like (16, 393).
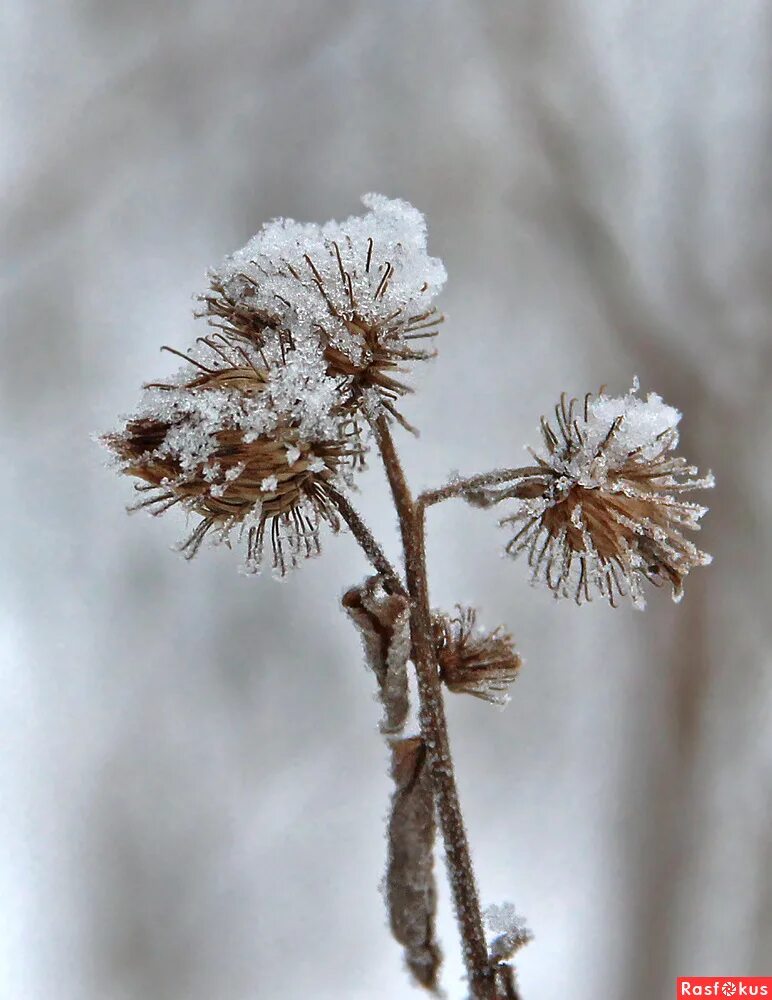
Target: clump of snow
(234, 472)
(325, 284)
(607, 431)
(644, 422)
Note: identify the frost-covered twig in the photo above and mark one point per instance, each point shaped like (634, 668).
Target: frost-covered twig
(475, 487)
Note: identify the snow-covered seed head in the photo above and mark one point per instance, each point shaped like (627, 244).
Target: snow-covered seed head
(231, 440)
(359, 292)
(607, 511)
(473, 661)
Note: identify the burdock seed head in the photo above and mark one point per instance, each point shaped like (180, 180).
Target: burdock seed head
(245, 442)
(606, 511)
(359, 292)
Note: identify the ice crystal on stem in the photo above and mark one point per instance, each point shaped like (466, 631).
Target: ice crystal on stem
(605, 511)
(359, 292)
(510, 930)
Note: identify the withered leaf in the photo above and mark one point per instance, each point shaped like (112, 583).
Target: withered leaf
(383, 620)
(410, 889)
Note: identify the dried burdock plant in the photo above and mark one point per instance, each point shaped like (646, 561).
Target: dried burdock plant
(259, 436)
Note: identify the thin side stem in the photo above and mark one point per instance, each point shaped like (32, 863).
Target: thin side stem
(495, 478)
(434, 728)
(367, 542)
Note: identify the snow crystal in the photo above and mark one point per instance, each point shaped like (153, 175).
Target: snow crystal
(300, 395)
(234, 472)
(269, 484)
(509, 927)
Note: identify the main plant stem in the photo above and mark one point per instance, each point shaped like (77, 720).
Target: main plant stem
(434, 729)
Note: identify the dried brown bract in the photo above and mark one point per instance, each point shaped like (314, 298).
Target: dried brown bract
(473, 661)
(383, 621)
(237, 317)
(411, 894)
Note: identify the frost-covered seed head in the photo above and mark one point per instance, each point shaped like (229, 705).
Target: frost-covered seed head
(232, 441)
(607, 512)
(359, 292)
(473, 661)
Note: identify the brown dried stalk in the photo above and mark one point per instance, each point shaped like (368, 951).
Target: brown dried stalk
(434, 728)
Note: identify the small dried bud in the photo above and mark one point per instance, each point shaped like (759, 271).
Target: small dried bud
(473, 661)
(359, 292)
(383, 621)
(605, 511)
(235, 440)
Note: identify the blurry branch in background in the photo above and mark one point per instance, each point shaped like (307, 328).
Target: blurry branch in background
(261, 436)
(659, 346)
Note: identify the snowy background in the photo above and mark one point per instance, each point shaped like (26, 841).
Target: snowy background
(193, 788)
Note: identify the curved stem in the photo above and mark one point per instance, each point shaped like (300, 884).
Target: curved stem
(366, 540)
(434, 728)
(494, 478)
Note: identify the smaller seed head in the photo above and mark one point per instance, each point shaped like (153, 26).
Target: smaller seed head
(605, 510)
(473, 661)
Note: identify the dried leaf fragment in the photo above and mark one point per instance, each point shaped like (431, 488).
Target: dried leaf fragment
(383, 620)
(410, 890)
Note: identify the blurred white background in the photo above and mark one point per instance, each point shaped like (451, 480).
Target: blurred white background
(193, 787)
